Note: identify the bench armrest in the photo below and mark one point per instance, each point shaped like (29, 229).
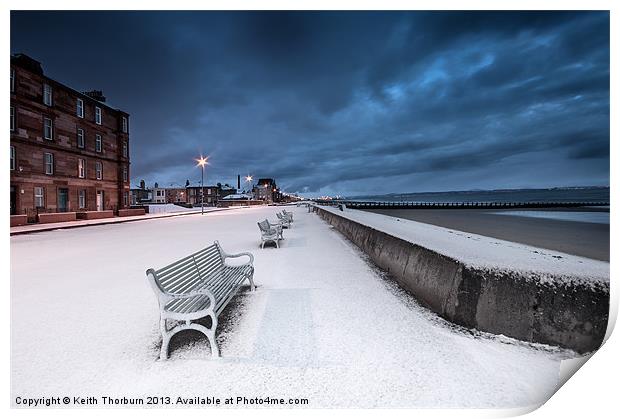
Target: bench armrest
(236, 255)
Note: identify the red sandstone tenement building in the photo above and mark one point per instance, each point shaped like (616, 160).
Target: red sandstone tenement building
(69, 150)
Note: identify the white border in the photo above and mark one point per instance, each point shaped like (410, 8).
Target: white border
(591, 392)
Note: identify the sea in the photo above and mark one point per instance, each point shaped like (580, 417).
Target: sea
(593, 194)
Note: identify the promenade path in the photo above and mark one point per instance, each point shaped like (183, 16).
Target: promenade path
(38, 227)
(323, 324)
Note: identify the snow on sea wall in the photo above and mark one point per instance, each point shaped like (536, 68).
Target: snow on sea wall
(536, 305)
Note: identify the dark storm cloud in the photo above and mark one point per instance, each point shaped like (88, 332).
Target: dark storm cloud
(355, 102)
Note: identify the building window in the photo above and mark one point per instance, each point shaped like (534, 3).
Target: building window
(12, 158)
(47, 94)
(12, 118)
(12, 80)
(124, 124)
(48, 128)
(80, 138)
(99, 170)
(125, 149)
(49, 164)
(82, 198)
(126, 199)
(39, 202)
(80, 108)
(98, 146)
(125, 174)
(97, 115)
(81, 168)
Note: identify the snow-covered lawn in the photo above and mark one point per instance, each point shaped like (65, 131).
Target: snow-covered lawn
(323, 324)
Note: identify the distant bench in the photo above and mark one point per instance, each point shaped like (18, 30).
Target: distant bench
(197, 286)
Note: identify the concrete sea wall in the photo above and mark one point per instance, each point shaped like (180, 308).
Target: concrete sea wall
(524, 306)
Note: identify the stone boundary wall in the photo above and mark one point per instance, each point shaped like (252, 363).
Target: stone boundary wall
(570, 314)
(94, 215)
(19, 220)
(56, 217)
(131, 212)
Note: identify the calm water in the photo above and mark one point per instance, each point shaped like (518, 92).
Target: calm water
(512, 195)
(583, 217)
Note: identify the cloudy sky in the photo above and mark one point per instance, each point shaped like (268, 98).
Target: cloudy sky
(347, 103)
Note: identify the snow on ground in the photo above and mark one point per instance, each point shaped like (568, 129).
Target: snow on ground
(169, 208)
(100, 221)
(482, 251)
(322, 325)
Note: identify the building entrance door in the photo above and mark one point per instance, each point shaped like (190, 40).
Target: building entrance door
(99, 200)
(63, 199)
(13, 200)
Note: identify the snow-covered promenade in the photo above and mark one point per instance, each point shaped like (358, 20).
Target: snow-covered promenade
(322, 325)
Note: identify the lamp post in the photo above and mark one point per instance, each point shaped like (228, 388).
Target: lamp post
(202, 162)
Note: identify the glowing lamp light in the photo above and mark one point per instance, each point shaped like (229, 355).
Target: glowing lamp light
(202, 161)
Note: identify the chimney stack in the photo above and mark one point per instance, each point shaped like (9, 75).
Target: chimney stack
(238, 181)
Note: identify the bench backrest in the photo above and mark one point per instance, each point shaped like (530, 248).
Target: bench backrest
(187, 273)
(264, 226)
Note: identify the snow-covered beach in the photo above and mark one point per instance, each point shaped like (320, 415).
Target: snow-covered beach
(322, 325)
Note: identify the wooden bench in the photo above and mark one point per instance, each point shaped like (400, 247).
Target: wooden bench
(269, 233)
(197, 286)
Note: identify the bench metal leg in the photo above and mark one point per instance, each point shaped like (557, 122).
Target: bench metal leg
(215, 350)
(208, 332)
(163, 355)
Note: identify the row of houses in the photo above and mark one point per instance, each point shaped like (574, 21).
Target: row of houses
(265, 190)
(70, 153)
(69, 149)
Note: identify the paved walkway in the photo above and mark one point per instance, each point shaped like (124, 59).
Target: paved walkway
(35, 228)
(322, 325)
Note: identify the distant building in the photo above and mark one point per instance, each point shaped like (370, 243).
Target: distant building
(176, 195)
(159, 195)
(69, 150)
(211, 195)
(226, 190)
(140, 196)
(267, 190)
(235, 197)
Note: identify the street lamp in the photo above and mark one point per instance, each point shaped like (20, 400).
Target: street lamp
(202, 162)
